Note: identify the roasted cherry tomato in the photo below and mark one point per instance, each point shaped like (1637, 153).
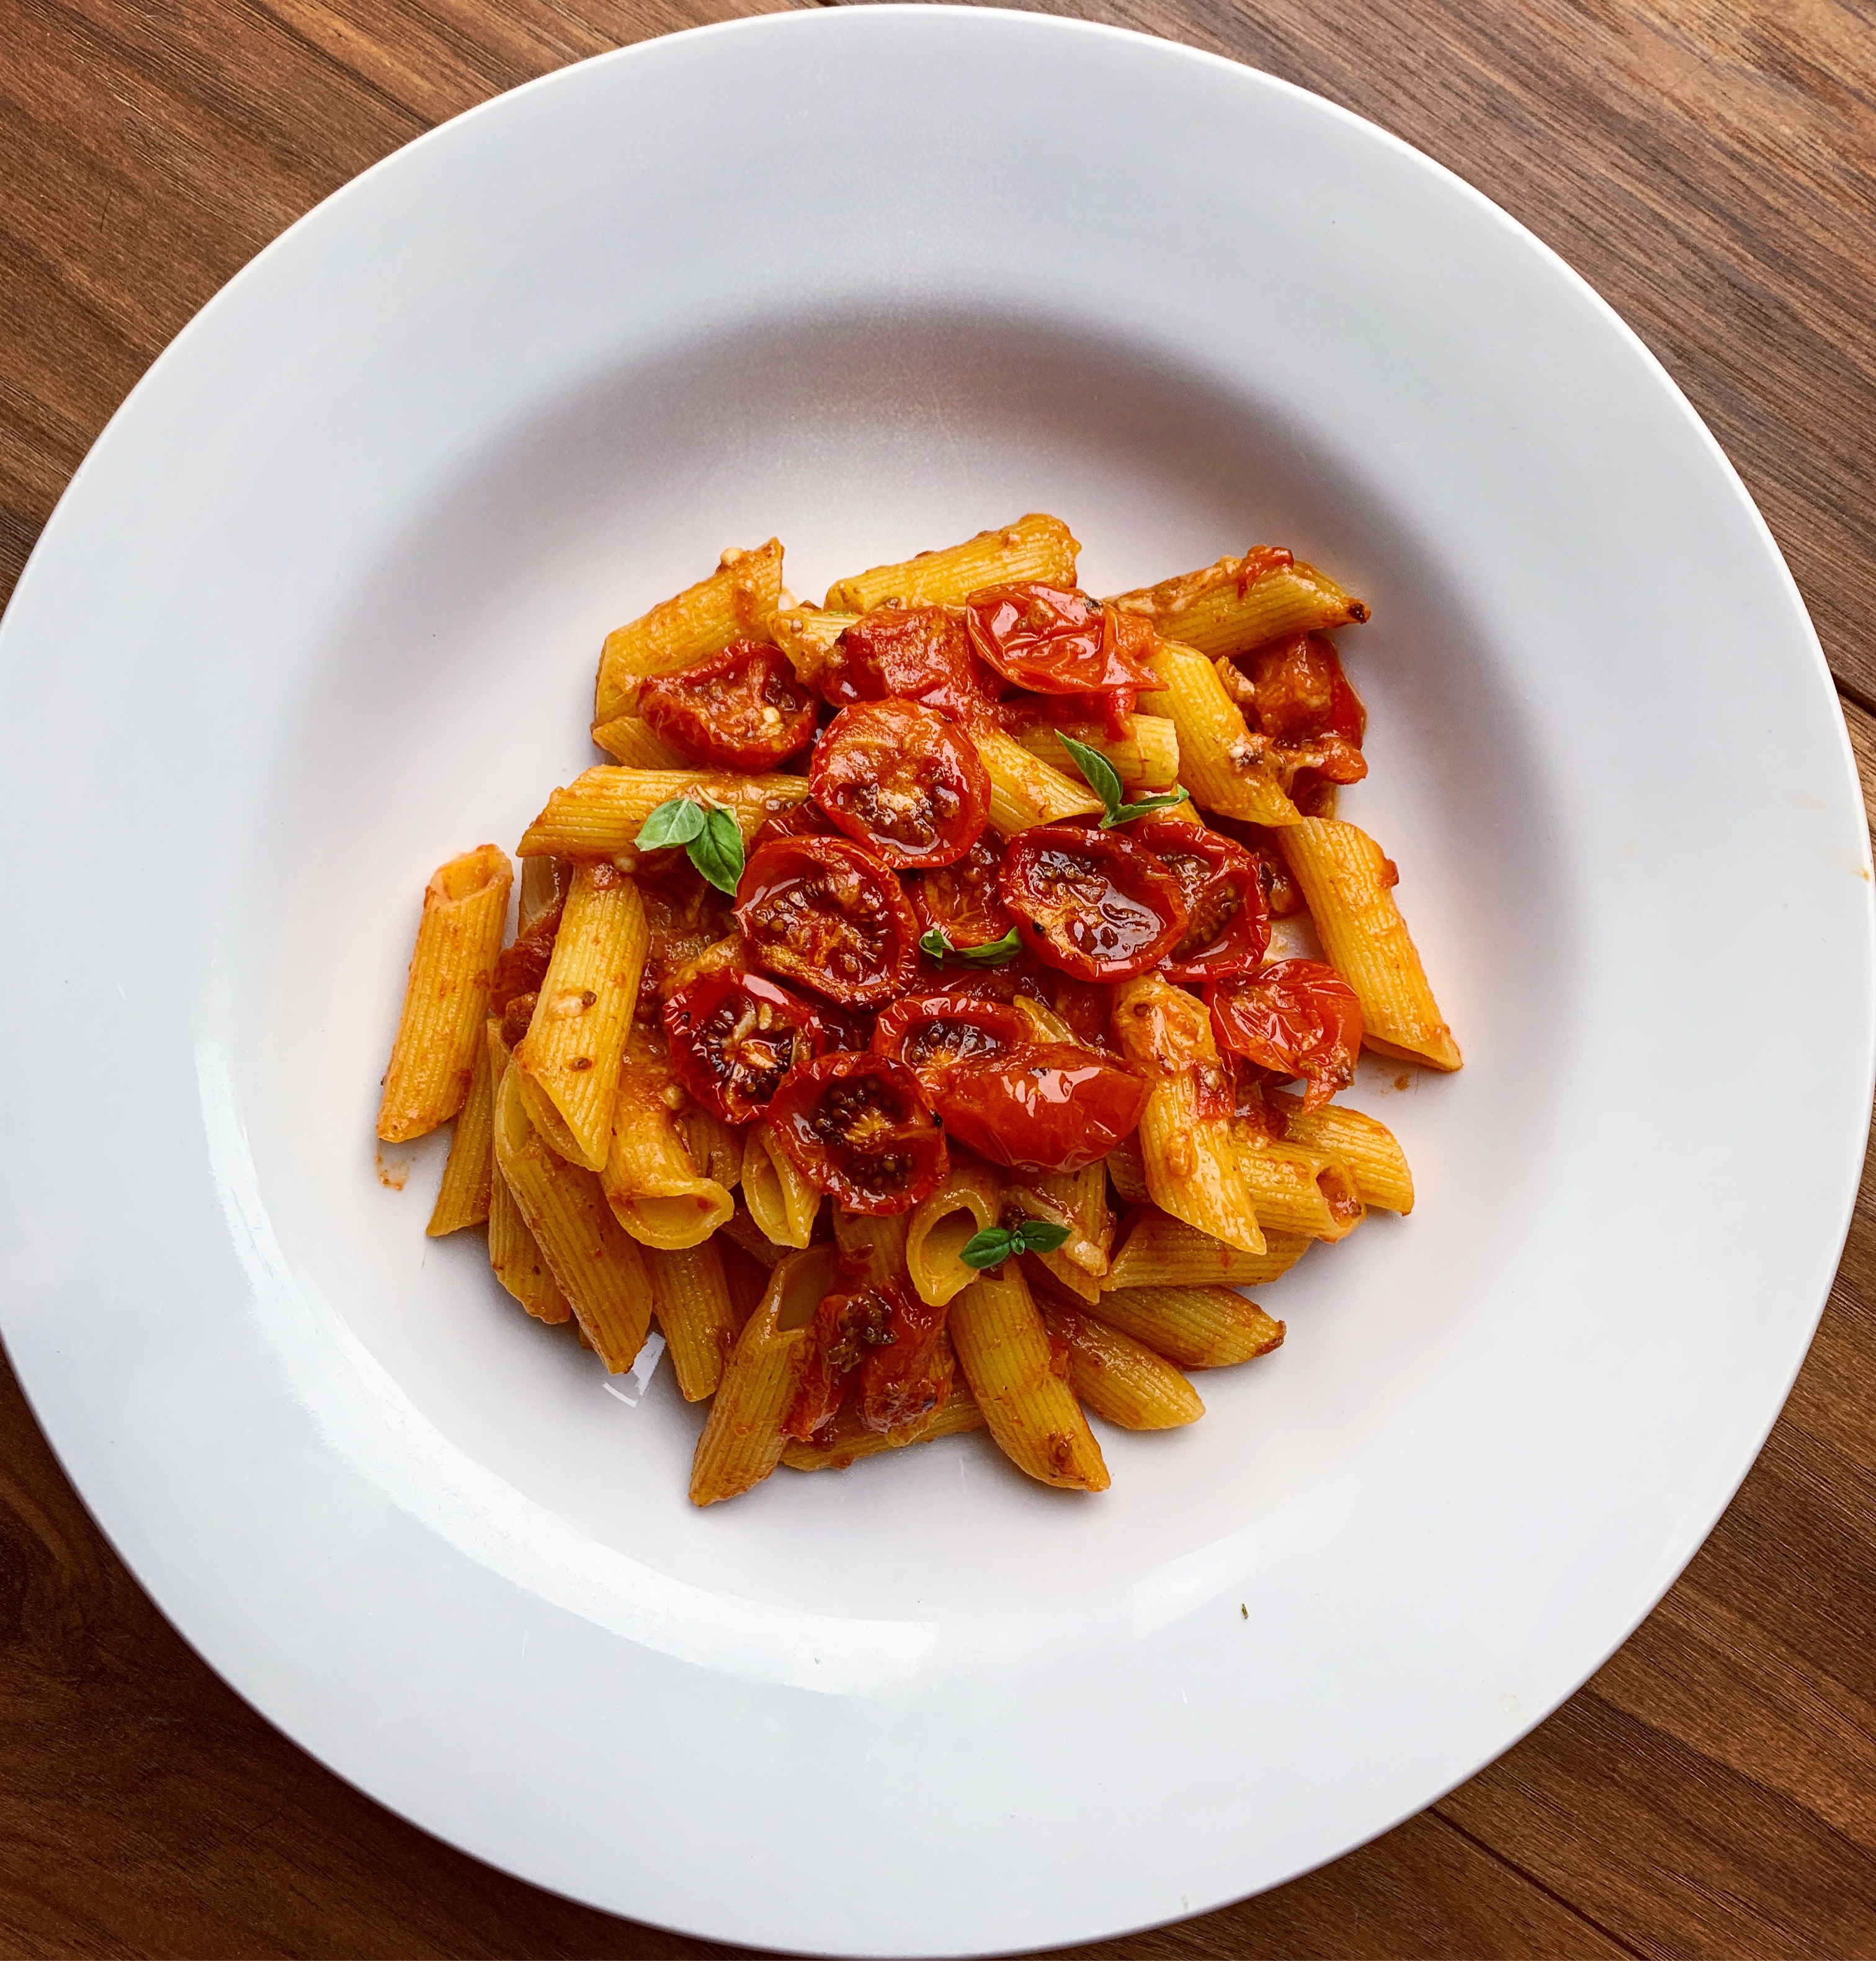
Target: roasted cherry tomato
(899, 776)
(733, 1038)
(961, 900)
(1054, 641)
(828, 913)
(930, 1032)
(858, 1127)
(1295, 1017)
(884, 1341)
(902, 1381)
(1303, 703)
(909, 653)
(742, 709)
(1227, 917)
(1046, 1107)
(1093, 903)
(523, 966)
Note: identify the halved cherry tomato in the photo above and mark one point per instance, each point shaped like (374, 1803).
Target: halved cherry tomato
(1295, 1017)
(523, 966)
(1303, 703)
(930, 1032)
(1091, 902)
(909, 653)
(1053, 640)
(857, 1127)
(828, 913)
(733, 1037)
(742, 709)
(904, 1380)
(899, 776)
(1047, 1107)
(960, 900)
(1227, 924)
(884, 1340)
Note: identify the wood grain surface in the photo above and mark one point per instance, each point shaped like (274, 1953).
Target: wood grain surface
(1710, 165)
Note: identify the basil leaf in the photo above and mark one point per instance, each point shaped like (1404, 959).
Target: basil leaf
(992, 953)
(717, 852)
(935, 944)
(1039, 1235)
(990, 1248)
(676, 822)
(1102, 778)
(1125, 813)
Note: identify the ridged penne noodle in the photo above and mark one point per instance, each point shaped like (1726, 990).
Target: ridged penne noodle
(1077, 1200)
(1219, 611)
(716, 1147)
(1026, 790)
(846, 1440)
(462, 1199)
(691, 1298)
(1349, 881)
(1127, 1172)
(735, 603)
(806, 635)
(1155, 1249)
(1147, 759)
(568, 1060)
(1003, 1349)
(631, 739)
(945, 1222)
(1363, 1143)
(518, 1261)
(1297, 1190)
(595, 1264)
(1225, 768)
(746, 1276)
(1035, 548)
(1120, 1378)
(600, 813)
(1198, 1328)
(742, 1440)
(1191, 1161)
(873, 1244)
(780, 1199)
(446, 995)
(655, 1192)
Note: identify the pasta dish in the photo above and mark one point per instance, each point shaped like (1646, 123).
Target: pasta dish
(933, 1016)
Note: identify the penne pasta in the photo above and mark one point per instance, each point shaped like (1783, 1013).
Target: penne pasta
(1127, 1172)
(1297, 1190)
(446, 994)
(872, 1244)
(1122, 1379)
(600, 813)
(736, 602)
(1155, 1249)
(568, 1060)
(846, 1440)
(1035, 547)
(462, 1199)
(1242, 602)
(806, 635)
(780, 1199)
(545, 883)
(742, 1440)
(940, 1226)
(518, 1261)
(1147, 759)
(1077, 1200)
(741, 1231)
(631, 739)
(655, 1191)
(595, 1265)
(1349, 881)
(716, 1147)
(1198, 1328)
(691, 1297)
(1363, 1143)
(1003, 1348)
(1191, 1160)
(1225, 766)
(1026, 790)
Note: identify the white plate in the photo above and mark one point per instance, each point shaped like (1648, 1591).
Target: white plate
(322, 607)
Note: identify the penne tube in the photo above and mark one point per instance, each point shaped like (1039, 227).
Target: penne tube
(781, 1201)
(1226, 768)
(1241, 602)
(568, 1060)
(806, 634)
(1198, 1328)
(742, 1230)
(595, 1265)
(846, 1440)
(1148, 759)
(1127, 1172)
(545, 883)
(600, 813)
(1191, 1160)
(518, 1261)
(944, 1222)
(1003, 1349)
(1349, 881)
(690, 1296)
(655, 1191)
(1077, 1200)
(1026, 790)
(736, 602)
(1363, 1143)
(446, 994)
(746, 1276)
(1120, 1379)
(1035, 547)
(742, 1439)
(631, 739)
(716, 1147)
(1297, 1190)
(1155, 1249)
(872, 1244)
(462, 1199)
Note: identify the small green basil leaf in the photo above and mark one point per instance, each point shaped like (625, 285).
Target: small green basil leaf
(936, 944)
(1125, 813)
(1037, 1236)
(992, 953)
(1103, 779)
(676, 822)
(990, 1248)
(717, 853)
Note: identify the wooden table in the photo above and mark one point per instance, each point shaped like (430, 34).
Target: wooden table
(1710, 166)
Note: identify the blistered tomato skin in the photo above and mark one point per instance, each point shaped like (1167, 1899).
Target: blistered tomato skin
(1227, 913)
(1091, 903)
(733, 1038)
(901, 779)
(929, 1033)
(829, 913)
(1047, 1107)
(742, 709)
(962, 900)
(909, 653)
(858, 1127)
(1295, 1018)
(1053, 641)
